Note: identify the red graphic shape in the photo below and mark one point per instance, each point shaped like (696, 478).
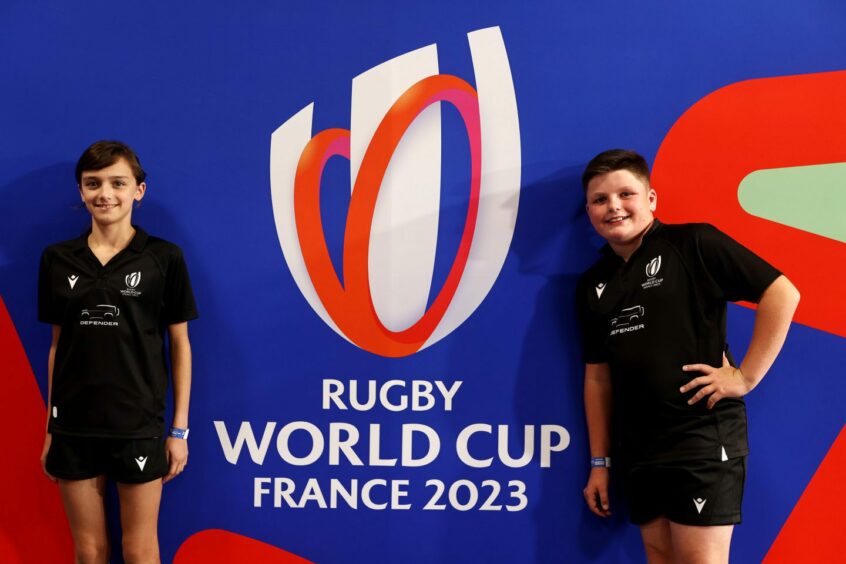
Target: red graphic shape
(30, 511)
(351, 305)
(814, 530)
(223, 547)
(761, 124)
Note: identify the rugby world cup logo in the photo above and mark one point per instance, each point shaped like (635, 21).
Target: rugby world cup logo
(132, 280)
(380, 301)
(653, 267)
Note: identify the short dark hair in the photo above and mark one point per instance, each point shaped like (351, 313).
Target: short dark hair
(106, 153)
(615, 159)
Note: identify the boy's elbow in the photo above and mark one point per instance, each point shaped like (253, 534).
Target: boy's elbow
(787, 292)
(795, 295)
(792, 292)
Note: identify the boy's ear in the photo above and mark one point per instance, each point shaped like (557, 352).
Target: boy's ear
(140, 191)
(653, 199)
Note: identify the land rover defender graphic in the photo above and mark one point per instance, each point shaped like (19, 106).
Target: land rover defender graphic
(101, 311)
(628, 316)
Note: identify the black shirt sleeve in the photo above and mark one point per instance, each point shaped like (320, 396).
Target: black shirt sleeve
(179, 303)
(592, 328)
(47, 308)
(735, 273)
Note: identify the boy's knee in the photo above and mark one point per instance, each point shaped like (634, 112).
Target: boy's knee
(91, 551)
(140, 550)
(658, 552)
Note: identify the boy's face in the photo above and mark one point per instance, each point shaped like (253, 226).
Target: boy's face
(620, 206)
(109, 193)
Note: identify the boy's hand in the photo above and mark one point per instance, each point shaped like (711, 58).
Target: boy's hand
(717, 383)
(177, 457)
(48, 439)
(596, 492)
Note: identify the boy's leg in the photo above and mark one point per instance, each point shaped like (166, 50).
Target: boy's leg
(657, 541)
(139, 519)
(701, 545)
(709, 498)
(86, 512)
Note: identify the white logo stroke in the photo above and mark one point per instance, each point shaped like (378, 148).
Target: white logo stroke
(653, 267)
(132, 280)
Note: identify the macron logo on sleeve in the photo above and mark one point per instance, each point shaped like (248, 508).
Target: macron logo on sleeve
(72, 280)
(599, 289)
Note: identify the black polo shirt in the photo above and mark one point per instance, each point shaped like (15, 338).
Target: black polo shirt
(110, 370)
(647, 317)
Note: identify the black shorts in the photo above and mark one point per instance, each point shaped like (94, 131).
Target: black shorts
(691, 492)
(129, 461)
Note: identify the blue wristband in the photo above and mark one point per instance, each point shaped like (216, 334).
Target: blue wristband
(600, 462)
(178, 433)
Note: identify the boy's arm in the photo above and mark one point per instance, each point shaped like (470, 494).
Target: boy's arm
(51, 362)
(180, 358)
(772, 320)
(598, 413)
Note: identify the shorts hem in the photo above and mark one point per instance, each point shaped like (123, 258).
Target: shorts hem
(73, 477)
(143, 480)
(711, 521)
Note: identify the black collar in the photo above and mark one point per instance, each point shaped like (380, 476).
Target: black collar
(137, 243)
(656, 224)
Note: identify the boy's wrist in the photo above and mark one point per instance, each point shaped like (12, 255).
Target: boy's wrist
(747, 382)
(600, 462)
(178, 433)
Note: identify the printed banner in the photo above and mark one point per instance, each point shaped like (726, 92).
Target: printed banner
(381, 213)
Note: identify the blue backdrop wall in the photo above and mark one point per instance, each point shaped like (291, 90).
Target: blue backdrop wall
(486, 259)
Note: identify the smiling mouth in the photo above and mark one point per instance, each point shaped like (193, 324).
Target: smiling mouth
(617, 219)
(105, 206)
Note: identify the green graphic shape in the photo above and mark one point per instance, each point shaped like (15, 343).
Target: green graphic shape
(810, 198)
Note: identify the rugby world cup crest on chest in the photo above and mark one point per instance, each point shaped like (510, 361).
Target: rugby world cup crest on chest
(383, 299)
(653, 267)
(132, 281)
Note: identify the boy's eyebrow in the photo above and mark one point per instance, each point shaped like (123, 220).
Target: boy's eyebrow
(95, 175)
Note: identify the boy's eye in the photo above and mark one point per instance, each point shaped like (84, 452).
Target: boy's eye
(599, 200)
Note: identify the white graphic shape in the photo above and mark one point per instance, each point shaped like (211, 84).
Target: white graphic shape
(653, 267)
(599, 289)
(72, 280)
(141, 461)
(699, 503)
(405, 224)
(286, 146)
(723, 455)
(132, 280)
(404, 233)
(628, 316)
(500, 189)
